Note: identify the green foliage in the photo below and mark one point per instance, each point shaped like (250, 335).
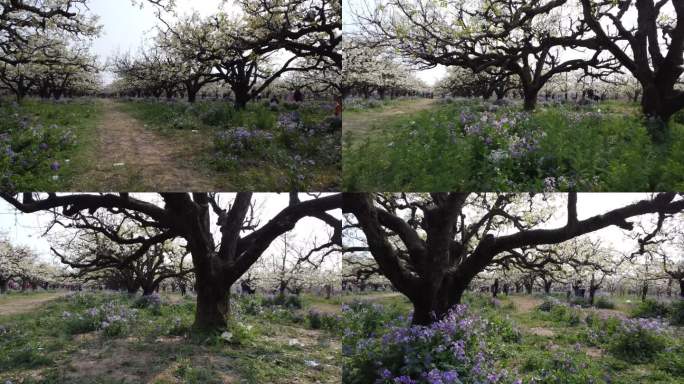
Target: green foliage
(322, 320)
(468, 145)
(286, 148)
(651, 308)
(283, 300)
(641, 345)
(677, 311)
(581, 301)
(192, 375)
(553, 310)
(41, 143)
(604, 302)
(671, 361)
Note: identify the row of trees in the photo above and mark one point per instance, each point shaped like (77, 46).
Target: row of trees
(44, 48)
(245, 51)
(21, 268)
(431, 247)
(143, 240)
(370, 69)
(535, 41)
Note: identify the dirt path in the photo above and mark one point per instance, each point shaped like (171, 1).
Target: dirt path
(525, 303)
(359, 125)
(19, 304)
(131, 157)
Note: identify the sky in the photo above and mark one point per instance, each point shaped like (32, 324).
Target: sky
(126, 26)
(28, 229)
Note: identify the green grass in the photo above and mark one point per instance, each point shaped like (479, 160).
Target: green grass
(466, 145)
(550, 350)
(289, 160)
(41, 133)
(156, 346)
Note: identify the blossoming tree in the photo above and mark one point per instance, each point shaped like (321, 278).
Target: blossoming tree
(431, 246)
(217, 264)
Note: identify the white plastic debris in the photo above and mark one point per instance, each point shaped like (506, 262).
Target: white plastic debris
(227, 336)
(311, 363)
(295, 343)
(116, 165)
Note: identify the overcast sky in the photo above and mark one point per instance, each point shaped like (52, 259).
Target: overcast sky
(126, 26)
(27, 229)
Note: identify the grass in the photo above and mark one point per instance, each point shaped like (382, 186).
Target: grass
(155, 346)
(549, 344)
(268, 159)
(473, 145)
(41, 133)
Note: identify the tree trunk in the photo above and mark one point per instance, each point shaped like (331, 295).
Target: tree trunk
(427, 308)
(547, 287)
(658, 111)
(132, 290)
(495, 288)
(4, 286)
(241, 96)
(192, 95)
(528, 288)
(681, 288)
(644, 292)
(530, 97)
(149, 290)
(213, 306)
(592, 293)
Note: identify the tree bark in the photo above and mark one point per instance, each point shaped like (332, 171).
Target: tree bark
(213, 306)
(428, 307)
(530, 99)
(592, 293)
(148, 290)
(681, 288)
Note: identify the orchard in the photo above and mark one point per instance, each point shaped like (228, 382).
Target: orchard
(539, 95)
(242, 97)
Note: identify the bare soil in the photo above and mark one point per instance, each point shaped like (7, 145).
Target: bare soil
(17, 305)
(130, 156)
(525, 303)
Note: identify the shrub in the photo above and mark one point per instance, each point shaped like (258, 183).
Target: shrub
(152, 302)
(672, 362)
(580, 301)
(322, 320)
(283, 300)
(604, 302)
(217, 115)
(677, 311)
(238, 333)
(651, 308)
(548, 303)
(77, 324)
(315, 319)
(456, 146)
(449, 351)
(638, 341)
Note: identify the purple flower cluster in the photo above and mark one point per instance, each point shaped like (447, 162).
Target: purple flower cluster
(636, 325)
(240, 139)
(449, 351)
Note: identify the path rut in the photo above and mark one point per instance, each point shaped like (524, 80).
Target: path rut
(19, 305)
(133, 157)
(359, 125)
